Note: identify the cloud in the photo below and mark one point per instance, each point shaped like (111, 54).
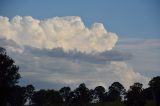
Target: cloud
(68, 33)
(55, 68)
(100, 58)
(11, 45)
(62, 51)
(72, 74)
(146, 58)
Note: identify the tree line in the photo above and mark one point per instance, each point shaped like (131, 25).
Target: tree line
(12, 94)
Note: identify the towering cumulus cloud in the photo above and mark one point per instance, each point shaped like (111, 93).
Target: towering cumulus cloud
(68, 33)
(63, 51)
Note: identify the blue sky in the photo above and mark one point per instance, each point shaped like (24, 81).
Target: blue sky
(92, 41)
(136, 18)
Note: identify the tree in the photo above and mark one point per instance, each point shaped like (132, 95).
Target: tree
(116, 90)
(53, 98)
(99, 93)
(8, 77)
(8, 70)
(155, 86)
(18, 96)
(135, 96)
(39, 98)
(147, 93)
(46, 98)
(64, 92)
(81, 95)
(29, 92)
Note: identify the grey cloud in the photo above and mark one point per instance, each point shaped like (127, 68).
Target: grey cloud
(58, 68)
(146, 55)
(4, 42)
(99, 58)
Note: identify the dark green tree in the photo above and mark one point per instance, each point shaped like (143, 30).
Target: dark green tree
(81, 95)
(39, 98)
(135, 96)
(46, 98)
(18, 96)
(116, 92)
(155, 86)
(8, 70)
(8, 77)
(29, 93)
(99, 92)
(53, 98)
(147, 93)
(64, 92)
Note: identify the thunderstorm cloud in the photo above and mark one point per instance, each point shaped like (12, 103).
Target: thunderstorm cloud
(63, 51)
(68, 33)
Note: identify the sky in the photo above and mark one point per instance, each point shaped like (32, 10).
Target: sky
(64, 43)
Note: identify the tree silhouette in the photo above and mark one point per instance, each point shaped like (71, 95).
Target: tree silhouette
(8, 77)
(65, 92)
(8, 70)
(46, 98)
(29, 93)
(99, 93)
(18, 96)
(134, 95)
(147, 93)
(155, 86)
(81, 95)
(53, 97)
(116, 90)
(39, 98)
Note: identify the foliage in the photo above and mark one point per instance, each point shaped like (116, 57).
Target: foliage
(155, 86)
(134, 95)
(116, 90)
(46, 98)
(29, 93)
(99, 93)
(8, 77)
(64, 92)
(80, 95)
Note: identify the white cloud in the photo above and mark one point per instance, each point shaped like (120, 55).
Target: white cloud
(51, 70)
(33, 43)
(68, 33)
(127, 75)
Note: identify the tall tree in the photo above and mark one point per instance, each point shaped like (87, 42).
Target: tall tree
(155, 86)
(8, 77)
(99, 93)
(116, 92)
(81, 95)
(18, 96)
(39, 98)
(8, 70)
(135, 96)
(29, 93)
(64, 92)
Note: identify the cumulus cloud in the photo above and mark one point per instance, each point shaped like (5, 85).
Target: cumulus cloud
(62, 51)
(56, 69)
(68, 33)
